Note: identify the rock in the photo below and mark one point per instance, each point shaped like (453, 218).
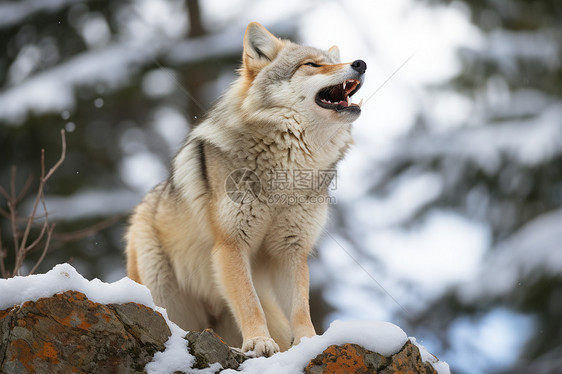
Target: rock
(209, 348)
(408, 360)
(68, 333)
(352, 358)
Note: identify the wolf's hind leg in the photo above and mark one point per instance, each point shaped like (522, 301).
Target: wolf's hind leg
(225, 326)
(149, 265)
(158, 275)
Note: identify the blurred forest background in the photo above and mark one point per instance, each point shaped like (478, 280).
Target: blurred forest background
(449, 213)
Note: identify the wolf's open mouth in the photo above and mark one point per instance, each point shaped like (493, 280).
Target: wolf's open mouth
(337, 97)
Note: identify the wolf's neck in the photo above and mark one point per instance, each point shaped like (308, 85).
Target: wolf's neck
(290, 146)
(277, 148)
(273, 137)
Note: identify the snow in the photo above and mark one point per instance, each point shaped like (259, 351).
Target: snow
(171, 125)
(112, 66)
(149, 27)
(141, 170)
(159, 82)
(532, 252)
(528, 141)
(496, 338)
(11, 13)
(414, 265)
(382, 337)
(94, 30)
(440, 366)
(406, 196)
(239, 12)
(146, 21)
(89, 203)
(27, 61)
(220, 44)
(450, 248)
(175, 357)
(63, 277)
(509, 46)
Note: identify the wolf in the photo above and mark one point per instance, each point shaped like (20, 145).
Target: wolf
(214, 243)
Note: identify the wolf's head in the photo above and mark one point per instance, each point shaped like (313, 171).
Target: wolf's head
(281, 77)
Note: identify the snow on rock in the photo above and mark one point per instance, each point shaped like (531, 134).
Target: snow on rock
(440, 366)
(63, 277)
(174, 358)
(382, 337)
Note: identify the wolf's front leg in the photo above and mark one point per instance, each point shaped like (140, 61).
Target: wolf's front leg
(234, 278)
(301, 324)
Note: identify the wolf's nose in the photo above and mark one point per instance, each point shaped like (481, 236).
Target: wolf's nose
(359, 66)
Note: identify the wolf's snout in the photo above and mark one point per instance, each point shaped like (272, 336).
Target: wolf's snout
(359, 66)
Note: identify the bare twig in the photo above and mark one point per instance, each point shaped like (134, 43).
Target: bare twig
(60, 239)
(4, 213)
(45, 249)
(13, 219)
(46, 222)
(4, 193)
(22, 227)
(24, 189)
(22, 248)
(61, 159)
(13, 184)
(38, 239)
(42, 181)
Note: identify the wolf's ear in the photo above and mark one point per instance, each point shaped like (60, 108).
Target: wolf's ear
(260, 47)
(334, 52)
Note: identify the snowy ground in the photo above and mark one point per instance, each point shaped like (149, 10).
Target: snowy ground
(382, 337)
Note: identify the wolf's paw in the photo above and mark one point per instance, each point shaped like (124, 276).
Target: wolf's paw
(261, 346)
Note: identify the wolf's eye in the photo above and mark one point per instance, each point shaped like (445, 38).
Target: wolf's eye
(313, 64)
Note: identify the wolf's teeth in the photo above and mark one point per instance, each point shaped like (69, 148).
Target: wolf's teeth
(360, 103)
(348, 101)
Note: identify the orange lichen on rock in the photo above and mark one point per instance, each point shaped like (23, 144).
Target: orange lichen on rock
(352, 358)
(50, 352)
(68, 333)
(4, 313)
(346, 358)
(23, 353)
